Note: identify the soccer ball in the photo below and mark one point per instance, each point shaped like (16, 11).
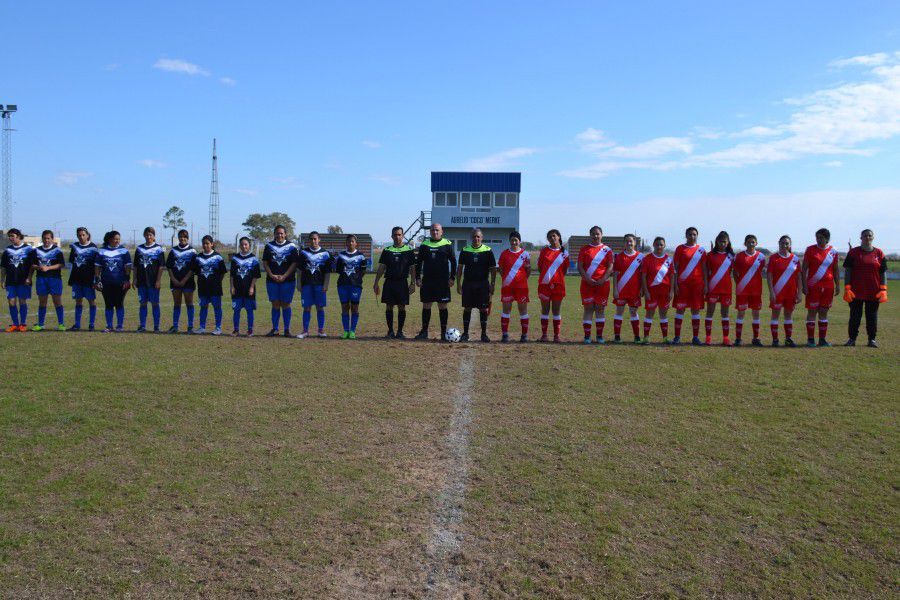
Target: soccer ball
(453, 335)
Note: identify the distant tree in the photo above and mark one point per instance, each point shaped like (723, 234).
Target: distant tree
(529, 246)
(335, 229)
(259, 226)
(174, 220)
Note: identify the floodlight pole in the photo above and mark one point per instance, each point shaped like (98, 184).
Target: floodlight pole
(214, 197)
(7, 164)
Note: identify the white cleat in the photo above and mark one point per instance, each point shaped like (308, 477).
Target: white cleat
(217, 331)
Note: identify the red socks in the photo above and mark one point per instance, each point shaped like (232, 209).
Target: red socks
(557, 325)
(504, 322)
(664, 326)
(678, 321)
(739, 328)
(707, 325)
(695, 325)
(811, 329)
(823, 329)
(600, 323)
(726, 326)
(648, 323)
(635, 326)
(617, 325)
(545, 321)
(773, 327)
(523, 321)
(755, 329)
(788, 328)
(586, 325)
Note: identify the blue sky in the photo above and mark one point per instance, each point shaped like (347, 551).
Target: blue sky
(779, 118)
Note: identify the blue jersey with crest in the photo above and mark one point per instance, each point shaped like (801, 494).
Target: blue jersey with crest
(113, 263)
(279, 257)
(82, 259)
(181, 262)
(350, 268)
(313, 264)
(17, 261)
(244, 269)
(148, 260)
(47, 257)
(210, 269)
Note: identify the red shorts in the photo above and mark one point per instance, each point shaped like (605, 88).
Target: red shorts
(511, 294)
(596, 295)
(723, 299)
(634, 302)
(552, 292)
(820, 295)
(689, 296)
(745, 301)
(785, 302)
(659, 297)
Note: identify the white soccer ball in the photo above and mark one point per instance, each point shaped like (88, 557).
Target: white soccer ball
(453, 335)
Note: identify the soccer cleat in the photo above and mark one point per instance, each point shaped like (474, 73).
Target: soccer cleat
(737, 342)
(667, 342)
(810, 343)
(850, 342)
(287, 333)
(708, 341)
(234, 333)
(523, 339)
(789, 343)
(198, 331)
(557, 339)
(345, 335)
(300, 336)
(485, 339)
(249, 333)
(172, 329)
(872, 344)
(352, 335)
(600, 340)
(322, 334)
(390, 335)
(107, 330)
(60, 327)
(642, 341)
(756, 342)
(400, 336)
(217, 331)
(587, 340)
(12, 329)
(74, 328)
(726, 341)
(676, 341)
(504, 339)
(617, 340)
(775, 343)
(824, 344)
(120, 330)
(544, 338)
(274, 332)
(464, 337)
(190, 330)
(90, 328)
(37, 327)
(422, 335)
(696, 341)
(156, 330)
(637, 340)
(141, 330)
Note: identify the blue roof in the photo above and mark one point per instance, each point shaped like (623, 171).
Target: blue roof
(443, 181)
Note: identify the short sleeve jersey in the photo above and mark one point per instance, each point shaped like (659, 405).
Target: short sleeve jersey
(820, 265)
(47, 257)
(690, 262)
(397, 261)
(279, 257)
(657, 270)
(627, 268)
(436, 262)
(210, 269)
(596, 260)
(82, 259)
(553, 265)
(476, 263)
(866, 271)
(244, 269)
(113, 263)
(748, 272)
(513, 268)
(350, 267)
(148, 260)
(181, 262)
(17, 262)
(719, 265)
(783, 271)
(313, 265)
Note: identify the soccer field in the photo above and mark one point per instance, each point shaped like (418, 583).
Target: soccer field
(171, 466)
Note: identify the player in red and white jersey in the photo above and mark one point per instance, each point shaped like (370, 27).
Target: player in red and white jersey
(689, 283)
(719, 264)
(783, 281)
(821, 281)
(627, 287)
(553, 262)
(595, 267)
(656, 286)
(749, 268)
(515, 267)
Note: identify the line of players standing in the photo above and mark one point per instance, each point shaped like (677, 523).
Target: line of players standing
(689, 280)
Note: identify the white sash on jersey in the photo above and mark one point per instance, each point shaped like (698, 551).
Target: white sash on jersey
(554, 267)
(692, 264)
(663, 269)
(823, 268)
(720, 273)
(786, 276)
(745, 280)
(514, 269)
(595, 263)
(629, 272)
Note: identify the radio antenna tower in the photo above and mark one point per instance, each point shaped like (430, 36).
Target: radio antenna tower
(214, 196)
(7, 164)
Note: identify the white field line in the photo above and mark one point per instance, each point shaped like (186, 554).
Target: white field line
(443, 578)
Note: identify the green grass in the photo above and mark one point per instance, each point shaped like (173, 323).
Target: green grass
(172, 466)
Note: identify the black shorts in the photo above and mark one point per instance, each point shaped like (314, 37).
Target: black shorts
(395, 292)
(476, 294)
(435, 292)
(113, 295)
(188, 287)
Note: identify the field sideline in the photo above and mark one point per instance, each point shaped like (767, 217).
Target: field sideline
(173, 466)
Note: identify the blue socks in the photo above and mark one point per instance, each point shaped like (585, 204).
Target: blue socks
(42, 315)
(14, 314)
(249, 319)
(345, 321)
(108, 313)
(120, 316)
(60, 314)
(204, 310)
(176, 316)
(78, 310)
(354, 320)
(320, 317)
(190, 313)
(23, 313)
(276, 317)
(286, 314)
(217, 310)
(92, 315)
(236, 319)
(156, 316)
(307, 317)
(142, 315)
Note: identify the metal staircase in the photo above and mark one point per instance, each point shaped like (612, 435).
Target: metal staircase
(423, 221)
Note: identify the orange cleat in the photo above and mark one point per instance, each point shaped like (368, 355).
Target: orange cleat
(23, 328)
(708, 341)
(12, 328)
(726, 341)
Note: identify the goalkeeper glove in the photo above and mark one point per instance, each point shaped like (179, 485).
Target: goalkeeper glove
(848, 294)
(881, 296)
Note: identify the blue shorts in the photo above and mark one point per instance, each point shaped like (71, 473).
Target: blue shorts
(280, 292)
(22, 292)
(239, 303)
(83, 291)
(349, 293)
(312, 295)
(148, 294)
(48, 286)
(204, 300)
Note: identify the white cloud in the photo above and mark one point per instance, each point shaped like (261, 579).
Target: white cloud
(177, 65)
(834, 164)
(227, 81)
(593, 140)
(652, 148)
(386, 179)
(371, 144)
(111, 67)
(151, 163)
(71, 177)
(245, 191)
(499, 160)
(757, 131)
(866, 60)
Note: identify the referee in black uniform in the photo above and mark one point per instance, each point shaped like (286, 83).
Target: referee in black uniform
(435, 271)
(397, 264)
(476, 264)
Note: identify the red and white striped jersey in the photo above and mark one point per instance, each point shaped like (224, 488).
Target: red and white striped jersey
(595, 260)
(820, 264)
(748, 271)
(627, 268)
(657, 269)
(690, 262)
(552, 265)
(513, 266)
(719, 265)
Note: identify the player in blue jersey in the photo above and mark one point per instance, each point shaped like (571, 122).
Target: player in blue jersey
(314, 264)
(149, 258)
(350, 265)
(48, 265)
(209, 267)
(15, 278)
(280, 262)
(180, 264)
(111, 277)
(82, 255)
(244, 273)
